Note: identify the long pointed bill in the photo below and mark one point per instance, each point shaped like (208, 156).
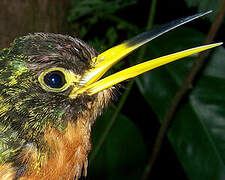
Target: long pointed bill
(107, 59)
(90, 83)
(139, 69)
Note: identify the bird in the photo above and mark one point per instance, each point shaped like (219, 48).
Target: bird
(51, 93)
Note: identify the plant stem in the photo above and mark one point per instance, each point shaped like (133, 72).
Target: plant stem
(126, 92)
(149, 25)
(187, 85)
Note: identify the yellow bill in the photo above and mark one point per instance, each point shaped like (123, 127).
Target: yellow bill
(104, 61)
(90, 82)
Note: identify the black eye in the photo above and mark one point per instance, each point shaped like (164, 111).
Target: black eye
(55, 79)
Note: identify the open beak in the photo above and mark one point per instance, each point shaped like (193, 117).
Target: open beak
(90, 82)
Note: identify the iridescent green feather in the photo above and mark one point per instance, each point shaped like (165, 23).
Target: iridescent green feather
(26, 109)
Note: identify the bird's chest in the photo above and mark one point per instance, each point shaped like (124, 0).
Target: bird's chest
(66, 158)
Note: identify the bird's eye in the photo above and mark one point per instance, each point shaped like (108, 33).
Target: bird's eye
(55, 79)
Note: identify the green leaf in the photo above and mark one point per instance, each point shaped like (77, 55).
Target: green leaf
(198, 130)
(205, 5)
(112, 36)
(81, 8)
(123, 155)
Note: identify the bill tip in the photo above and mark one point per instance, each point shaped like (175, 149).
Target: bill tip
(219, 44)
(209, 11)
(206, 12)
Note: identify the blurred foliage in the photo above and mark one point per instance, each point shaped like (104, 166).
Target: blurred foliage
(90, 13)
(198, 131)
(116, 158)
(98, 8)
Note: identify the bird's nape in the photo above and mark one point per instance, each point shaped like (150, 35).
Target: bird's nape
(51, 92)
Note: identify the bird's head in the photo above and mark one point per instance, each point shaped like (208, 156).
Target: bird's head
(41, 75)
